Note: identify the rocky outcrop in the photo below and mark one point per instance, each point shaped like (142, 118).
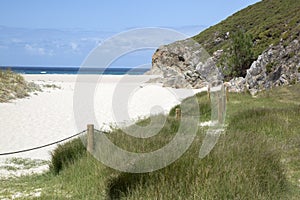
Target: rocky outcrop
(278, 65)
(183, 64)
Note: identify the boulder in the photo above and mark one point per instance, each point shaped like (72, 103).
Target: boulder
(183, 64)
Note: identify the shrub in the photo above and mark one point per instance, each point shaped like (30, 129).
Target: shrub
(240, 54)
(66, 154)
(269, 67)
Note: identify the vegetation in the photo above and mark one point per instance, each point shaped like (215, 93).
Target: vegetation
(66, 154)
(240, 55)
(258, 157)
(14, 86)
(15, 164)
(268, 21)
(51, 86)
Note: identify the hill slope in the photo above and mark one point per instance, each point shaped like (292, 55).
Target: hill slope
(268, 21)
(275, 29)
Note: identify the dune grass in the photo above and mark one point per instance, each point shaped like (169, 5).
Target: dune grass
(13, 86)
(258, 157)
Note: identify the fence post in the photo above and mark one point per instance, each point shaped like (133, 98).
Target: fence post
(90, 138)
(208, 92)
(227, 93)
(178, 113)
(220, 109)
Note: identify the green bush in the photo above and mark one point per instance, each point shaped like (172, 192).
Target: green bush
(66, 154)
(269, 67)
(240, 55)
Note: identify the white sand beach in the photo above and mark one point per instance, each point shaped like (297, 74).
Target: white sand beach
(48, 116)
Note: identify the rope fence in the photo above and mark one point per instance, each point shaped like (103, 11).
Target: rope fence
(90, 131)
(42, 146)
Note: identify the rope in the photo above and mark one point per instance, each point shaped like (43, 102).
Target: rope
(40, 147)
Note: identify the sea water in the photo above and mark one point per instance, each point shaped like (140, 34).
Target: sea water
(76, 70)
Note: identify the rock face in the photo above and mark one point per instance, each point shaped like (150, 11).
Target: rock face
(184, 64)
(278, 65)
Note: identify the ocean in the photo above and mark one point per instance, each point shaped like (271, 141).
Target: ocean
(76, 70)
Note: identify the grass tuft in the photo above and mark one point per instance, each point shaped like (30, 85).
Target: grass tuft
(13, 86)
(66, 154)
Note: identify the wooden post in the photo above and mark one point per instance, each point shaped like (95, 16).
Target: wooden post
(178, 113)
(208, 92)
(226, 88)
(245, 89)
(220, 109)
(90, 138)
(227, 92)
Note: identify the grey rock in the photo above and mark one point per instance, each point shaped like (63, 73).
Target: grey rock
(282, 63)
(184, 64)
(237, 85)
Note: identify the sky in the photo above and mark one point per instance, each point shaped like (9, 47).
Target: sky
(63, 32)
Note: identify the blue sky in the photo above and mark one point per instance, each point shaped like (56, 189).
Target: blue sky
(62, 33)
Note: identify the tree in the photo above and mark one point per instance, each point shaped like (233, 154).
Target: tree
(241, 54)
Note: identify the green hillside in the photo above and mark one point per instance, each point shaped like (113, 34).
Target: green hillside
(268, 21)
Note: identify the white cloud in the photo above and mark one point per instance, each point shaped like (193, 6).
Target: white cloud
(16, 40)
(35, 50)
(74, 46)
(94, 40)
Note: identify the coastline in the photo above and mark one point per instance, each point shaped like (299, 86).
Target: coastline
(72, 77)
